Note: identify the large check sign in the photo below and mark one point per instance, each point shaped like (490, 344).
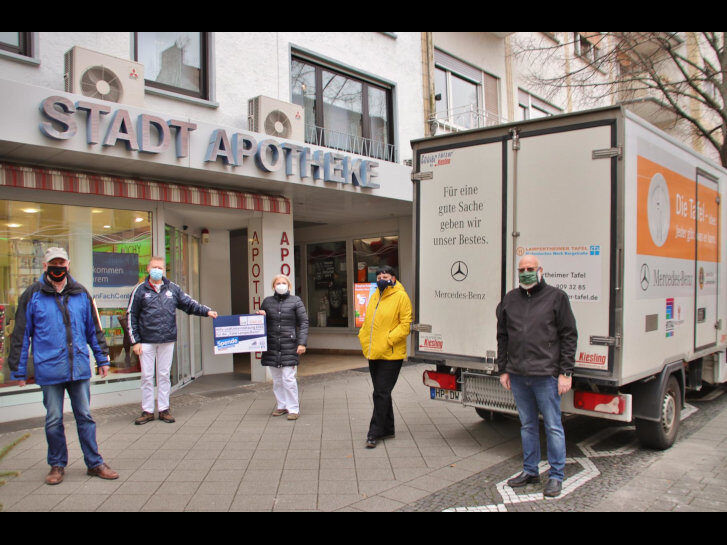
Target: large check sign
(240, 333)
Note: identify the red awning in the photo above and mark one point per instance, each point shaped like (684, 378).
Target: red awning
(111, 186)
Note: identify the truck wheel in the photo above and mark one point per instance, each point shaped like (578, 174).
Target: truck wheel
(661, 435)
(488, 415)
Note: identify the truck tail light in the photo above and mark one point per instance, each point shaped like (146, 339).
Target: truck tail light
(440, 380)
(600, 403)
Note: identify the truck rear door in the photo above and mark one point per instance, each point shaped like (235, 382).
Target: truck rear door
(460, 266)
(563, 210)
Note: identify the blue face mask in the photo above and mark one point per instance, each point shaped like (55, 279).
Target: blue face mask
(156, 274)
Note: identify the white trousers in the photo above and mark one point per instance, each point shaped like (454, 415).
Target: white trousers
(162, 354)
(285, 387)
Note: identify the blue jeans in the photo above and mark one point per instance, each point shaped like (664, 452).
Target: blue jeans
(533, 395)
(79, 391)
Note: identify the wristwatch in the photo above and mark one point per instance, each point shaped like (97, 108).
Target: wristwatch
(567, 374)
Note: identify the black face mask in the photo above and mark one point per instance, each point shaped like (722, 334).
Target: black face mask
(56, 273)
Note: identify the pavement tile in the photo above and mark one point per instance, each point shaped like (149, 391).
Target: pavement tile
(296, 502)
(210, 502)
(118, 503)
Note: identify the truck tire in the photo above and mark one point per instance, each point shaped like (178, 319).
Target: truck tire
(661, 435)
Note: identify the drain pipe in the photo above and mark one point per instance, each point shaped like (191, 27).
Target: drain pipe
(515, 233)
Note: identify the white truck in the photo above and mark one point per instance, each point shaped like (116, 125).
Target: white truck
(624, 218)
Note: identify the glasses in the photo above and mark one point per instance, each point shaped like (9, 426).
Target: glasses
(528, 269)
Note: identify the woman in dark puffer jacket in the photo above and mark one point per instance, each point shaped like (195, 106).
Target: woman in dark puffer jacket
(287, 327)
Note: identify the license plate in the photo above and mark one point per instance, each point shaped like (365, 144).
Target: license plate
(446, 395)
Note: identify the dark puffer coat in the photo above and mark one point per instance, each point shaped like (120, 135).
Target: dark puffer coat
(287, 325)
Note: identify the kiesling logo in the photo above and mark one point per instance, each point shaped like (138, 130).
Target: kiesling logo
(432, 343)
(584, 357)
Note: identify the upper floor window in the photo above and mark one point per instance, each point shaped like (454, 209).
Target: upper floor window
(342, 110)
(175, 61)
(531, 107)
(466, 97)
(587, 46)
(16, 42)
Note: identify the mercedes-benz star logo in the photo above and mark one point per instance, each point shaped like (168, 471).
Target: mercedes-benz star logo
(644, 277)
(459, 270)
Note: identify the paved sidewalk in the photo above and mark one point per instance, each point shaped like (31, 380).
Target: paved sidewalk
(690, 476)
(226, 453)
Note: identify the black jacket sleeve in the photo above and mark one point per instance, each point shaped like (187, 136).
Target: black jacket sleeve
(301, 318)
(502, 339)
(16, 340)
(567, 332)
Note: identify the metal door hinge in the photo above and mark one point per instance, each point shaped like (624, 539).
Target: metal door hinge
(419, 176)
(606, 341)
(608, 153)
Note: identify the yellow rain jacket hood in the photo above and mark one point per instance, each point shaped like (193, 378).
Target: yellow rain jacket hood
(386, 325)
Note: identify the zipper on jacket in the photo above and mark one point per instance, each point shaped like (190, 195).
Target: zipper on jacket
(371, 337)
(63, 307)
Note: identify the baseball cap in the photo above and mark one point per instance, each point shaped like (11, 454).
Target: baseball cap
(54, 253)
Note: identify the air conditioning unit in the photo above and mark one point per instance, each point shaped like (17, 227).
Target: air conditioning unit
(276, 118)
(96, 75)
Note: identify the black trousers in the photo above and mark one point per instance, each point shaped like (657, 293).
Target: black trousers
(384, 374)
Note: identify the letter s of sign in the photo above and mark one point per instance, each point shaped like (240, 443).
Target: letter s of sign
(65, 118)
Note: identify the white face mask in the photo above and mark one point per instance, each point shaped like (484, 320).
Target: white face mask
(282, 289)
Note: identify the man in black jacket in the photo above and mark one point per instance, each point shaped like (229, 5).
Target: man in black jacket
(153, 332)
(536, 345)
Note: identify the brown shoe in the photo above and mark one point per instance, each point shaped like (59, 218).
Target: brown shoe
(293, 416)
(103, 471)
(144, 418)
(55, 476)
(279, 412)
(166, 416)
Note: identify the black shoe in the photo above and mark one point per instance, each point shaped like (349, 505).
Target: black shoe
(522, 480)
(370, 442)
(552, 488)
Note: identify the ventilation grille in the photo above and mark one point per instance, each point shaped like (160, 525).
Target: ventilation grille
(486, 392)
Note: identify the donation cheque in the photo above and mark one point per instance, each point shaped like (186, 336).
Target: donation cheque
(240, 333)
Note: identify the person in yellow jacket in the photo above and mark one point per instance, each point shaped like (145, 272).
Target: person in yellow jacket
(383, 341)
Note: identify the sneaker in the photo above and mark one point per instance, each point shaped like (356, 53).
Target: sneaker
(522, 480)
(144, 418)
(279, 412)
(103, 471)
(293, 416)
(55, 476)
(166, 416)
(370, 442)
(552, 488)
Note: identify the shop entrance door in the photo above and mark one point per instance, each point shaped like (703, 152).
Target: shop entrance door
(182, 257)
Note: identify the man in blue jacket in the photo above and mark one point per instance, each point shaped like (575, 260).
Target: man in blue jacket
(57, 318)
(153, 332)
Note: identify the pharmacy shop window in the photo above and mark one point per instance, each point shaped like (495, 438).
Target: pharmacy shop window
(327, 284)
(108, 250)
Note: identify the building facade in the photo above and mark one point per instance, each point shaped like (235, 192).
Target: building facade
(237, 156)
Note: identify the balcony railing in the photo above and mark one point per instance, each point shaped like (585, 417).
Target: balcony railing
(461, 119)
(320, 136)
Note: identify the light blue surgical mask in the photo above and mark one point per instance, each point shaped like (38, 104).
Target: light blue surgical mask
(156, 274)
